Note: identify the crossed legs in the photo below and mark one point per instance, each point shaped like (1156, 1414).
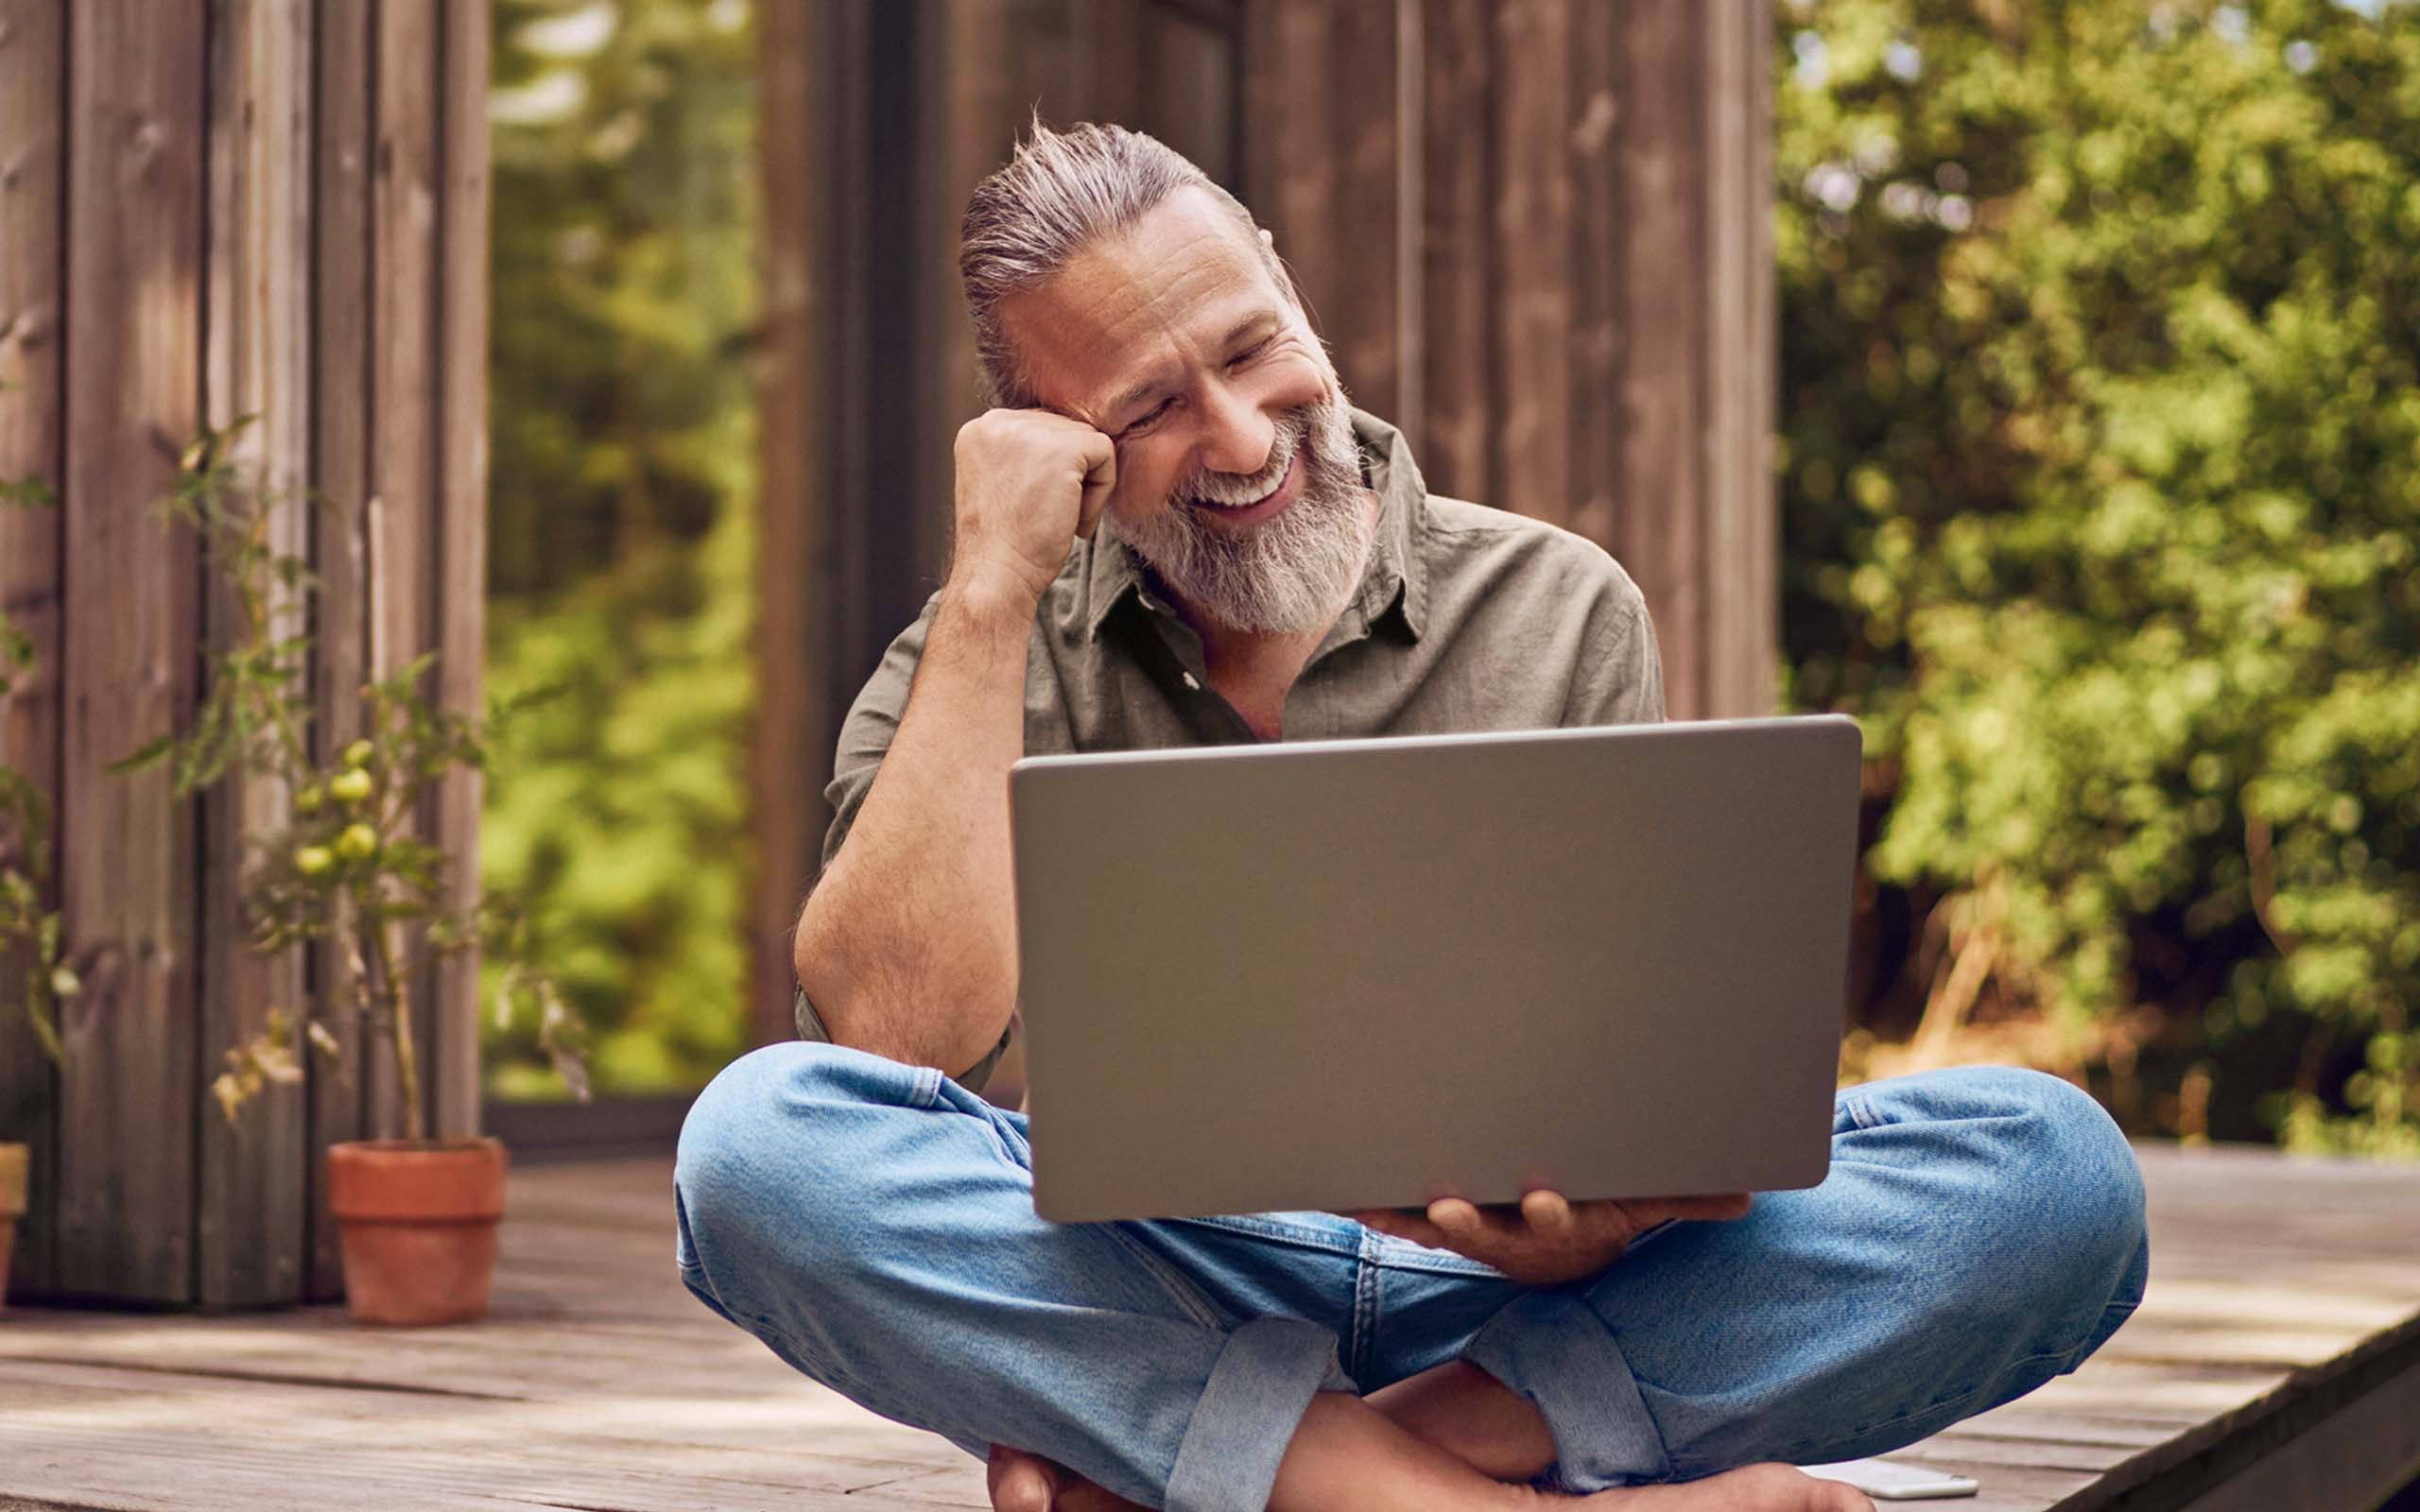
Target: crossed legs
(873, 1224)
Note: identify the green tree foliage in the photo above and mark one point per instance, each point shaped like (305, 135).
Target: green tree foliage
(2102, 497)
(619, 534)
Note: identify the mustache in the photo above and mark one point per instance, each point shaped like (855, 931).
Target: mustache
(1205, 486)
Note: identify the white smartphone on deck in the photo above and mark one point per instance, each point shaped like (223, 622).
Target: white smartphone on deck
(1887, 1480)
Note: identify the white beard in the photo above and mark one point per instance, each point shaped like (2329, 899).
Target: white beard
(1287, 575)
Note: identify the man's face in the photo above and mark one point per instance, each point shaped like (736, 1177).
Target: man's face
(1238, 478)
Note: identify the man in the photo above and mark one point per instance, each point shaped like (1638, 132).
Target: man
(1171, 530)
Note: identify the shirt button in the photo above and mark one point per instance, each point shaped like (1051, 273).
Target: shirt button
(1191, 682)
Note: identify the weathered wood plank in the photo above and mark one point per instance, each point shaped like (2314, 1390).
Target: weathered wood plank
(262, 1472)
(136, 80)
(1738, 343)
(2322, 1426)
(1321, 174)
(794, 689)
(342, 379)
(1532, 229)
(1658, 150)
(33, 145)
(1455, 441)
(250, 1240)
(2355, 1457)
(662, 1442)
(461, 563)
(406, 183)
(1601, 261)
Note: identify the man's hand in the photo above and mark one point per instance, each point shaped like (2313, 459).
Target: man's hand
(1545, 1240)
(1029, 482)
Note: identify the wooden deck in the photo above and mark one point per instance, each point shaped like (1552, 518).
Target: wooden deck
(2274, 1366)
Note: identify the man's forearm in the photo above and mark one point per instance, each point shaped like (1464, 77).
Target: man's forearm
(907, 947)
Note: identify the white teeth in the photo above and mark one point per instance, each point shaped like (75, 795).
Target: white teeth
(1212, 502)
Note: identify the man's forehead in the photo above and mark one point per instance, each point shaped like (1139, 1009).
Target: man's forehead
(1123, 310)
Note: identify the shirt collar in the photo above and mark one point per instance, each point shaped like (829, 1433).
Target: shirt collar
(1395, 576)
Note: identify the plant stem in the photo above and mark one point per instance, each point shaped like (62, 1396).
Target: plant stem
(399, 1020)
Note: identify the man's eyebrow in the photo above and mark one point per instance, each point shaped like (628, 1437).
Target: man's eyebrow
(1151, 385)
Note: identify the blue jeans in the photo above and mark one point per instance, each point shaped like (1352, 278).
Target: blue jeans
(873, 1223)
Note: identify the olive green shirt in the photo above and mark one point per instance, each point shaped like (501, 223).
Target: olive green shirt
(1467, 618)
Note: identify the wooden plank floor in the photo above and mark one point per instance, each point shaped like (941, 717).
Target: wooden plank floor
(2275, 1364)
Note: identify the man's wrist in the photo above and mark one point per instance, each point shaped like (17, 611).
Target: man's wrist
(990, 598)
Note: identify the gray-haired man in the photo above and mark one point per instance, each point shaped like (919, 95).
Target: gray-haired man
(1268, 564)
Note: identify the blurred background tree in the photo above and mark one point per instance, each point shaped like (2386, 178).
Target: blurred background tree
(2100, 494)
(622, 428)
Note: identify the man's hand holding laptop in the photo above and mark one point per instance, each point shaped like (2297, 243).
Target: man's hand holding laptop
(1544, 1240)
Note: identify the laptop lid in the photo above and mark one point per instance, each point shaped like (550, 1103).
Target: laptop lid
(1346, 974)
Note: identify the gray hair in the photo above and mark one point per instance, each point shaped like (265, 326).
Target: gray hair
(1058, 194)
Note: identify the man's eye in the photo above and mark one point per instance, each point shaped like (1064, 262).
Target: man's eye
(1250, 352)
(1148, 419)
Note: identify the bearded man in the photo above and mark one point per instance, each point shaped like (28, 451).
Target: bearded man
(1268, 564)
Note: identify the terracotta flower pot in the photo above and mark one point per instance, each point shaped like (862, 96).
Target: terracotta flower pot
(13, 1207)
(417, 1222)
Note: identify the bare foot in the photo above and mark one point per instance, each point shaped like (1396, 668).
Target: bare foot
(1020, 1482)
(1773, 1487)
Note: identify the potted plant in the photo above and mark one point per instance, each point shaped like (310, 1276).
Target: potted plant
(417, 1215)
(37, 976)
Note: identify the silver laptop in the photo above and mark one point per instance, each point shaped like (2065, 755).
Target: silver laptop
(1344, 974)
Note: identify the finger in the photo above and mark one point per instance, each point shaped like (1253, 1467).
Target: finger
(1462, 1221)
(1456, 1216)
(1101, 480)
(1546, 1213)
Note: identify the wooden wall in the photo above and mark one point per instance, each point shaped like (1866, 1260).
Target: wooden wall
(1537, 233)
(274, 208)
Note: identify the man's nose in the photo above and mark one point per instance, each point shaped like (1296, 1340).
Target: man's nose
(1236, 436)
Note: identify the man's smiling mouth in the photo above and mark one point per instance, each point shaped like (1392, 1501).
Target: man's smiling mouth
(1268, 502)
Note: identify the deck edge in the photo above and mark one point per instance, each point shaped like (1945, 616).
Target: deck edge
(2190, 1470)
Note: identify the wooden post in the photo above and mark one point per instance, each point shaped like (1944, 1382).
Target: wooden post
(344, 146)
(794, 696)
(273, 208)
(460, 580)
(129, 868)
(257, 363)
(33, 82)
